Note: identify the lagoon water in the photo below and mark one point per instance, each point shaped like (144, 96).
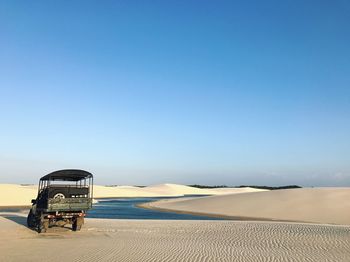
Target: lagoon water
(125, 208)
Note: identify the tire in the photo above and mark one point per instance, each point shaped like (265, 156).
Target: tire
(75, 227)
(77, 224)
(63, 192)
(31, 219)
(59, 196)
(43, 225)
(41, 229)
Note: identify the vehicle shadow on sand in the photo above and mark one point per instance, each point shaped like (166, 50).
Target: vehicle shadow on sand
(22, 221)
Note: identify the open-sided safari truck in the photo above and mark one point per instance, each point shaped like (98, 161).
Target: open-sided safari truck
(63, 198)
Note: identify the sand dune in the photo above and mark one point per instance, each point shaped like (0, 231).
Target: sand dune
(121, 191)
(228, 190)
(181, 190)
(319, 205)
(17, 195)
(161, 240)
(175, 189)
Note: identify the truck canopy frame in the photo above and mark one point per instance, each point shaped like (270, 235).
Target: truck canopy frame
(67, 175)
(81, 178)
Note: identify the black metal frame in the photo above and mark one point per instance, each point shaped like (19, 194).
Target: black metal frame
(82, 175)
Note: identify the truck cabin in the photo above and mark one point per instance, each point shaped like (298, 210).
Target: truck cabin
(65, 184)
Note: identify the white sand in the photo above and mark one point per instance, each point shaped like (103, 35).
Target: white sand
(141, 240)
(17, 195)
(318, 205)
(169, 240)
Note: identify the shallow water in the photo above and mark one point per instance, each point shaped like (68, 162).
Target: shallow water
(125, 208)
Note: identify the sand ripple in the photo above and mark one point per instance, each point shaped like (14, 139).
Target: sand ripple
(140, 240)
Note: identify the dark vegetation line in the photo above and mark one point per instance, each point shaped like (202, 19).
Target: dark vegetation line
(253, 186)
(225, 186)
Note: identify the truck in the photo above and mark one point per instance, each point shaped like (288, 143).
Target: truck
(64, 197)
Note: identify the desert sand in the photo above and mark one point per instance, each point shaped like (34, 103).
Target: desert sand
(21, 195)
(194, 240)
(166, 240)
(316, 205)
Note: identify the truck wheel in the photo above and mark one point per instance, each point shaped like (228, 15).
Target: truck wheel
(59, 196)
(43, 225)
(59, 193)
(31, 219)
(77, 224)
(75, 227)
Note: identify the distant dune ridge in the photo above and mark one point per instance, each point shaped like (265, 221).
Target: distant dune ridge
(21, 195)
(318, 205)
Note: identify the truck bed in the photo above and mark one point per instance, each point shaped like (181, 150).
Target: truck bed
(69, 204)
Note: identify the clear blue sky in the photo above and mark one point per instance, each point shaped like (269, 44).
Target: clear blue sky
(143, 92)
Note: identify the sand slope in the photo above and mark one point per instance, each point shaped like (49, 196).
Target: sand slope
(320, 205)
(176, 190)
(161, 240)
(181, 190)
(17, 195)
(228, 190)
